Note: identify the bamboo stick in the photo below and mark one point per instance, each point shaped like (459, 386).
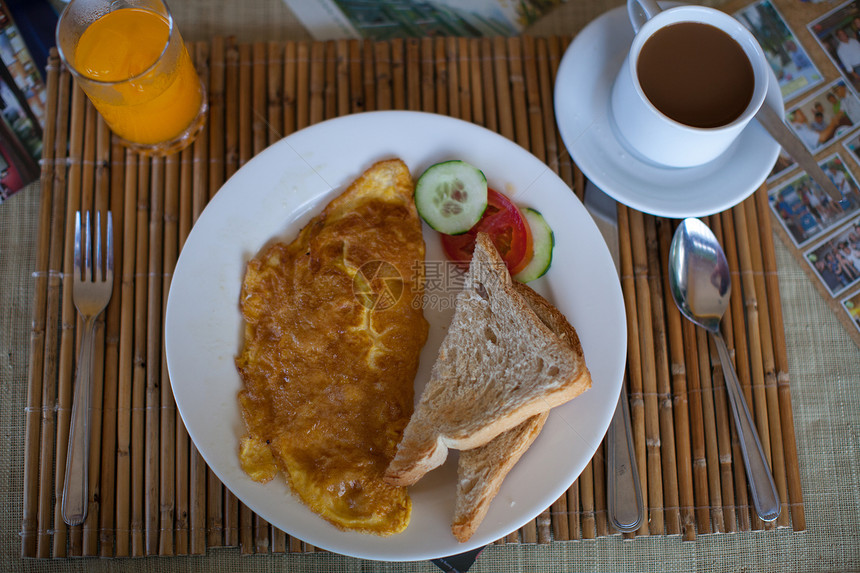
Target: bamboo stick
(448, 100)
(245, 139)
(126, 358)
(330, 79)
(736, 341)
(216, 177)
(107, 514)
(182, 513)
(513, 73)
(258, 100)
(723, 420)
(677, 368)
(565, 165)
(398, 74)
(167, 430)
(346, 86)
(351, 81)
(465, 65)
(795, 492)
(538, 116)
(303, 82)
(317, 83)
(101, 163)
(32, 413)
(204, 491)
(546, 83)
(669, 475)
(777, 452)
(634, 371)
(479, 69)
(152, 419)
(232, 506)
(712, 453)
(488, 86)
(217, 87)
(423, 50)
(67, 370)
(231, 107)
(275, 92)
(59, 369)
(139, 381)
(360, 70)
(290, 87)
(435, 79)
(383, 75)
(647, 414)
(501, 87)
(364, 57)
(755, 393)
(697, 426)
(412, 65)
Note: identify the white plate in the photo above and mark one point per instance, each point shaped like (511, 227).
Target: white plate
(279, 191)
(582, 93)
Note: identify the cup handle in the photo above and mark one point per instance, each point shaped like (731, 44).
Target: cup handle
(640, 11)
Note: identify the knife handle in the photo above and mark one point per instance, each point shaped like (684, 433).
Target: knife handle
(624, 492)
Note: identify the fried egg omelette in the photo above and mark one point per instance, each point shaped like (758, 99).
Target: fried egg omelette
(333, 331)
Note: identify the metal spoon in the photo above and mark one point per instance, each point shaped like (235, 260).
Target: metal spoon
(701, 284)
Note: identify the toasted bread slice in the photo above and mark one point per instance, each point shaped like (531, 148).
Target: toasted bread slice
(498, 365)
(480, 471)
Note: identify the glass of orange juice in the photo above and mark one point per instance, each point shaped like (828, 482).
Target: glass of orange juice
(128, 57)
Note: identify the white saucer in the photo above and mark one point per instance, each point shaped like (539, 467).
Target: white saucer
(582, 93)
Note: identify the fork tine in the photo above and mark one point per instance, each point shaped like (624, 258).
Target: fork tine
(109, 261)
(78, 267)
(88, 254)
(98, 257)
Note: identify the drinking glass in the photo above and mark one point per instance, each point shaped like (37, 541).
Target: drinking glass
(130, 60)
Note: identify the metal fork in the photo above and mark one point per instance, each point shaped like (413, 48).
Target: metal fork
(91, 292)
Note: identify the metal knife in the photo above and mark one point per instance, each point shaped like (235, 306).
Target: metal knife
(623, 491)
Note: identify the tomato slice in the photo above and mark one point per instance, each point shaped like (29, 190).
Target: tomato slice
(508, 229)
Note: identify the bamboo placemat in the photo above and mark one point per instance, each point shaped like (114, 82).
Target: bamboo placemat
(151, 492)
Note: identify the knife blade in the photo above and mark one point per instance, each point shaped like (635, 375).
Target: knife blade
(777, 128)
(624, 491)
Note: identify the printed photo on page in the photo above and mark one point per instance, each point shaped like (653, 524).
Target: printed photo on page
(784, 164)
(852, 146)
(826, 116)
(838, 32)
(788, 59)
(806, 211)
(851, 305)
(836, 261)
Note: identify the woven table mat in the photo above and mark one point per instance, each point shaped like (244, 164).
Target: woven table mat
(151, 493)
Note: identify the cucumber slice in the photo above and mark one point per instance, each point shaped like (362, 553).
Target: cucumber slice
(451, 196)
(543, 242)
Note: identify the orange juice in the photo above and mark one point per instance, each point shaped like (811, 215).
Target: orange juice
(148, 91)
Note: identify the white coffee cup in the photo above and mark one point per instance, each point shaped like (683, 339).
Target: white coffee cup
(649, 133)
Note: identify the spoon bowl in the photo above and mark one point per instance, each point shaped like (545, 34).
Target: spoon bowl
(700, 281)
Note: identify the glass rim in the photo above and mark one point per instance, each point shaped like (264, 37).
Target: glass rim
(64, 59)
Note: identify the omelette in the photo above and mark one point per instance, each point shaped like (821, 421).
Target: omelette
(333, 330)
